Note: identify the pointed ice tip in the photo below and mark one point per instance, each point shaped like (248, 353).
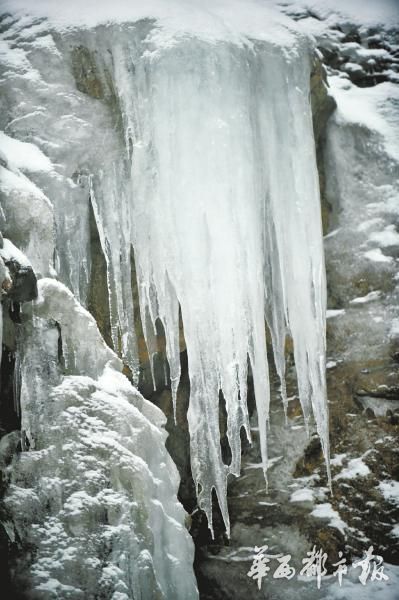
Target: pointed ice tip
(152, 367)
(174, 386)
(329, 476)
(285, 403)
(266, 479)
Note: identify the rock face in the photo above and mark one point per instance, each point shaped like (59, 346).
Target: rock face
(323, 105)
(357, 170)
(19, 283)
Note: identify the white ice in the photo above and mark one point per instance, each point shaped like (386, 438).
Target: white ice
(97, 471)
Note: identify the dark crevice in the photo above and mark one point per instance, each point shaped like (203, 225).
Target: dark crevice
(10, 419)
(224, 442)
(98, 300)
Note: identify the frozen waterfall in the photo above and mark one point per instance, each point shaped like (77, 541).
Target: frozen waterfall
(226, 224)
(196, 152)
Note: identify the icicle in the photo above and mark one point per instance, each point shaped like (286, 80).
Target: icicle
(118, 279)
(227, 223)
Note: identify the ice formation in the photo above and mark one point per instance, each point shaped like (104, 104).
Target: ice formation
(226, 223)
(193, 143)
(96, 493)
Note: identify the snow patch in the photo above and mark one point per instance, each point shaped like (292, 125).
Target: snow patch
(24, 156)
(370, 297)
(326, 511)
(376, 255)
(302, 495)
(356, 468)
(390, 491)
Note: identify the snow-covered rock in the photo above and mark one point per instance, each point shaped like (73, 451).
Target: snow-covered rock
(94, 494)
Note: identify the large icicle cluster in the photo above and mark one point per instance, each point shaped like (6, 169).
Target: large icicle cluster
(226, 223)
(196, 152)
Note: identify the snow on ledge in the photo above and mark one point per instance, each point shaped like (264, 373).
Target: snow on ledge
(213, 20)
(390, 491)
(356, 468)
(24, 156)
(326, 511)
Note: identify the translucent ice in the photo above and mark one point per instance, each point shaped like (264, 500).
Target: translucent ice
(227, 224)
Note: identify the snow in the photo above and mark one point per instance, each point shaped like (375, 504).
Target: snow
(24, 156)
(332, 313)
(302, 495)
(97, 471)
(80, 331)
(370, 297)
(373, 108)
(28, 218)
(337, 460)
(359, 12)
(356, 468)
(10, 181)
(376, 255)
(326, 511)
(387, 237)
(353, 589)
(362, 152)
(390, 491)
(10, 252)
(212, 20)
(395, 531)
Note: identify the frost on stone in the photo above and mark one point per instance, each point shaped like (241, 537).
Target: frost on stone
(95, 495)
